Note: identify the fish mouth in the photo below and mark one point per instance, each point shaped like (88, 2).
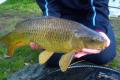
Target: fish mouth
(90, 51)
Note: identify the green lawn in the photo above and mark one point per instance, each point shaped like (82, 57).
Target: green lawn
(26, 6)
(12, 12)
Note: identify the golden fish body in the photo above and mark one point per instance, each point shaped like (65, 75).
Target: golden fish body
(50, 33)
(54, 35)
(57, 34)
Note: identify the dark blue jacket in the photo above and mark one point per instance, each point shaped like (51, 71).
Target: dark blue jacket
(92, 13)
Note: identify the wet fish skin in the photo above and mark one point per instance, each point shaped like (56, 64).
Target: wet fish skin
(54, 35)
(57, 30)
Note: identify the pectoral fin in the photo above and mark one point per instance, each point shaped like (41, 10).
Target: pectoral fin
(66, 60)
(44, 56)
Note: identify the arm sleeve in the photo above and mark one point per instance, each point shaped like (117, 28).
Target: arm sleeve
(101, 15)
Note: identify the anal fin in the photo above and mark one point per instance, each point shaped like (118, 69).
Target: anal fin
(66, 60)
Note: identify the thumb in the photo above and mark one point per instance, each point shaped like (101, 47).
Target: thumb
(106, 38)
(80, 54)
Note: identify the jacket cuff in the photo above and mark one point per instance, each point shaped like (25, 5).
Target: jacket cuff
(101, 30)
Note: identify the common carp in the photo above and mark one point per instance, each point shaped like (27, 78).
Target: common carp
(54, 35)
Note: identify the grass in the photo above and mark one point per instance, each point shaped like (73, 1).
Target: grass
(27, 6)
(12, 12)
(23, 56)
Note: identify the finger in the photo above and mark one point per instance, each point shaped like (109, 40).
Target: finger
(90, 51)
(107, 39)
(79, 54)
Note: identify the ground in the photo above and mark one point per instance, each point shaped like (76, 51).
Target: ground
(14, 11)
(116, 28)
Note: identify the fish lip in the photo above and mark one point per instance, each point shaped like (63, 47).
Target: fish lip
(98, 49)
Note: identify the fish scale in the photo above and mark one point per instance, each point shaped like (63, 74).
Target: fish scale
(52, 30)
(54, 35)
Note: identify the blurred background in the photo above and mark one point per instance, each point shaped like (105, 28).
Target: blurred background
(13, 11)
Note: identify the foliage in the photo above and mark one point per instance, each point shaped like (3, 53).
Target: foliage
(11, 12)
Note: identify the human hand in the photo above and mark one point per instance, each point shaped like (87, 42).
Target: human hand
(85, 51)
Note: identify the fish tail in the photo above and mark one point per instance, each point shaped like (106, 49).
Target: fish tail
(13, 41)
(13, 46)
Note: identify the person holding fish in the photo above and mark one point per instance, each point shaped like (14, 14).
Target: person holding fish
(91, 13)
(75, 30)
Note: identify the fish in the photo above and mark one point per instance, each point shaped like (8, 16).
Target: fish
(54, 35)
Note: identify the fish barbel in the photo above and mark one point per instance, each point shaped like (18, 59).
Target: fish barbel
(54, 35)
